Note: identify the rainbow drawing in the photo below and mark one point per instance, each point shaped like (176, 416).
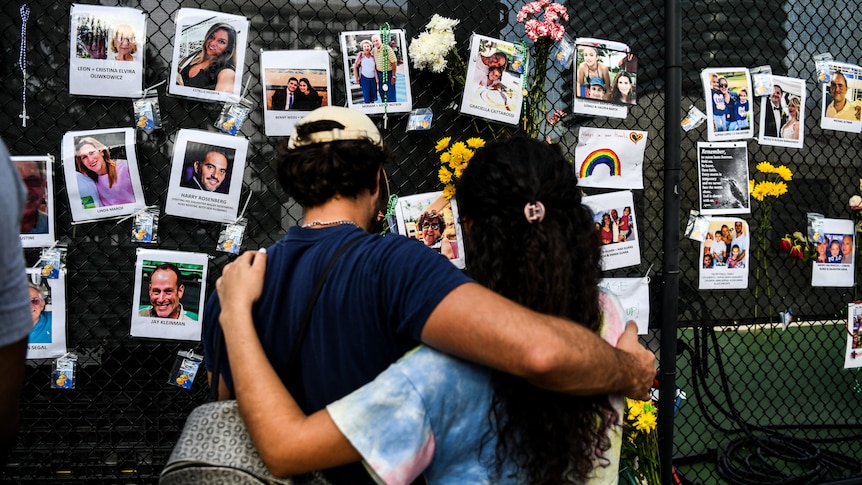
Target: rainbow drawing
(602, 156)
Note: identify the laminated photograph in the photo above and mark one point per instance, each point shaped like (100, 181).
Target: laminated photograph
(37, 222)
(432, 219)
(294, 83)
(614, 216)
(833, 265)
(853, 354)
(782, 113)
(724, 255)
(169, 294)
(610, 158)
(48, 308)
(841, 105)
(377, 74)
(729, 106)
(106, 51)
(102, 177)
(722, 170)
(605, 81)
(633, 294)
(209, 55)
(206, 176)
(495, 76)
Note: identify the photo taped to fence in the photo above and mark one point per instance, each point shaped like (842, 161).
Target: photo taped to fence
(495, 76)
(605, 82)
(841, 105)
(432, 219)
(102, 177)
(729, 105)
(37, 222)
(376, 71)
(206, 176)
(107, 46)
(782, 113)
(169, 297)
(209, 55)
(48, 308)
(294, 82)
(724, 256)
(614, 217)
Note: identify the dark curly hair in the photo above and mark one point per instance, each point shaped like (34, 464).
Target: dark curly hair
(553, 267)
(313, 174)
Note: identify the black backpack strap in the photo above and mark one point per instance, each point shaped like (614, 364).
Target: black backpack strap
(303, 328)
(293, 362)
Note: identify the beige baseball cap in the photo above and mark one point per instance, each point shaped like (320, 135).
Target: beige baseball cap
(357, 126)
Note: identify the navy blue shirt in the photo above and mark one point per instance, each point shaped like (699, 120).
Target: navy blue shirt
(372, 309)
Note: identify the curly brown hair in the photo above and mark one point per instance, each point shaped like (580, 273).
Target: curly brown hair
(551, 437)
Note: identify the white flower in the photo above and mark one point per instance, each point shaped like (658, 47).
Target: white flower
(428, 51)
(442, 23)
(855, 203)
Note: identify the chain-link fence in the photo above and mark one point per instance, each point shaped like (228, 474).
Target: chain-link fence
(780, 396)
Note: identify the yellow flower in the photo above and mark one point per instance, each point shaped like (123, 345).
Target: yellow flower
(765, 167)
(751, 185)
(460, 171)
(445, 157)
(449, 191)
(646, 422)
(459, 149)
(475, 143)
(784, 172)
(780, 188)
(443, 143)
(444, 175)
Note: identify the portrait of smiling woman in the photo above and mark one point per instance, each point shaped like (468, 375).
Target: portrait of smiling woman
(111, 177)
(213, 65)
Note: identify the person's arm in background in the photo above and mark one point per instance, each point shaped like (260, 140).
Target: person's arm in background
(478, 325)
(15, 318)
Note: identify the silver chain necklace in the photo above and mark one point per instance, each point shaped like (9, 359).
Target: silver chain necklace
(329, 223)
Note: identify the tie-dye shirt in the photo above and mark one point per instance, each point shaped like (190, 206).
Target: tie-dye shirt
(428, 412)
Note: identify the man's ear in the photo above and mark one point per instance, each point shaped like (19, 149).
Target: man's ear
(197, 166)
(180, 291)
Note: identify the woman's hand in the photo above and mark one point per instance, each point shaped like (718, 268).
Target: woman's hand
(240, 285)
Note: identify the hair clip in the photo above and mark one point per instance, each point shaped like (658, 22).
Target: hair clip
(534, 212)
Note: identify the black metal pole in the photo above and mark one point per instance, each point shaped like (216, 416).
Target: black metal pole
(670, 234)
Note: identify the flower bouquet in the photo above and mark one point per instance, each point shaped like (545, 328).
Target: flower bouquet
(435, 50)
(454, 158)
(544, 33)
(771, 185)
(639, 463)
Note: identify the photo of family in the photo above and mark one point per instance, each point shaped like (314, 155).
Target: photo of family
(725, 254)
(376, 71)
(432, 219)
(209, 54)
(728, 103)
(37, 221)
(170, 288)
(493, 89)
(102, 177)
(606, 71)
(833, 265)
(106, 51)
(605, 78)
(782, 113)
(615, 222)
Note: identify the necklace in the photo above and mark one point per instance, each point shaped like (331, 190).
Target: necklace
(335, 222)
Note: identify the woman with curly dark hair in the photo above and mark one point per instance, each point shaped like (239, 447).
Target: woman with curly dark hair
(529, 238)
